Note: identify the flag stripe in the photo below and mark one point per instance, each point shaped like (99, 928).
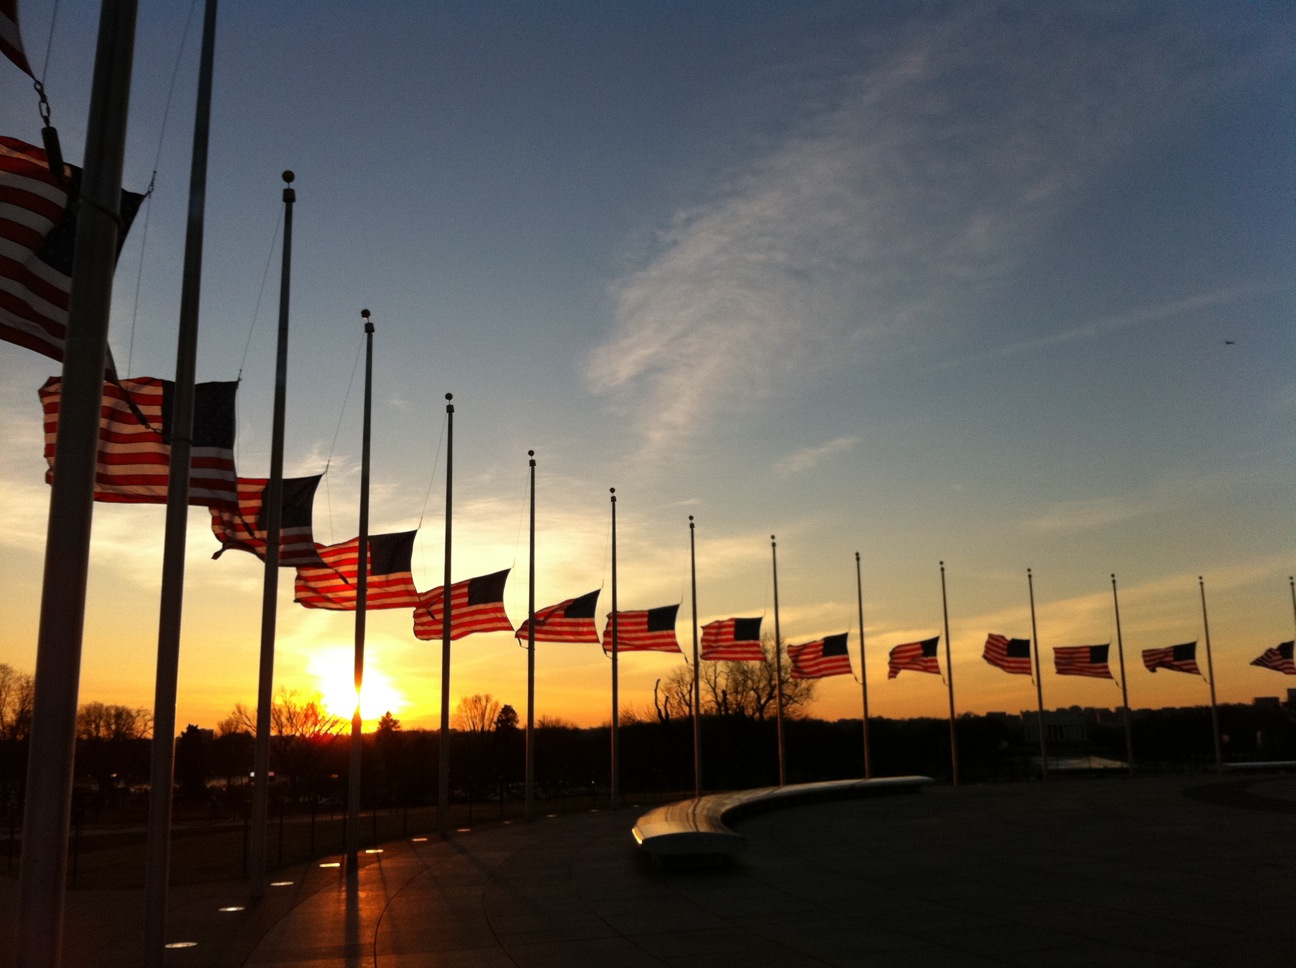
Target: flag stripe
(823, 657)
(1177, 658)
(476, 605)
(571, 620)
(134, 460)
(652, 630)
(1278, 659)
(37, 239)
(1082, 660)
(334, 586)
(1010, 655)
(10, 38)
(916, 656)
(732, 640)
(245, 529)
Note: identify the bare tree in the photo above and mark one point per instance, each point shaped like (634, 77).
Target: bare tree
(107, 721)
(476, 714)
(745, 689)
(17, 692)
(299, 726)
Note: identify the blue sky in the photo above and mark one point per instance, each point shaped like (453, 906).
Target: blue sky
(927, 281)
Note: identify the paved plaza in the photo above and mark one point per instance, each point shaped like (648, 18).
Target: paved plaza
(1143, 871)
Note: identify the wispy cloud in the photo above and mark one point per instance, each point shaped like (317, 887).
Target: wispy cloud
(909, 185)
(1091, 515)
(809, 458)
(1137, 316)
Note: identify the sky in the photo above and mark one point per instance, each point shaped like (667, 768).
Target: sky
(998, 285)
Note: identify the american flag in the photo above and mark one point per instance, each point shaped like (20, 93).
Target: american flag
(917, 656)
(1010, 655)
(390, 583)
(733, 640)
(37, 237)
(1279, 659)
(568, 621)
(10, 39)
(1179, 658)
(1082, 660)
(245, 529)
(476, 605)
(820, 658)
(652, 630)
(134, 460)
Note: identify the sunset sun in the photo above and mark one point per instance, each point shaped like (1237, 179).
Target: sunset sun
(333, 670)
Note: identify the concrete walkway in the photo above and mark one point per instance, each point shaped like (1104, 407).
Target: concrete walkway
(1104, 872)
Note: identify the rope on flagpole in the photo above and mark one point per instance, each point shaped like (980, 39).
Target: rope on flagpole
(328, 463)
(148, 193)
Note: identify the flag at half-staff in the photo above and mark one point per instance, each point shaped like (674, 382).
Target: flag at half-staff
(134, 456)
(914, 656)
(820, 658)
(38, 216)
(733, 640)
(1279, 659)
(568, 621)
(1082, 660)
(476, 605)
(1011, 655)
(10, 37)
(1178, 658)
(245, 528)
(650, 630)
(389, 581)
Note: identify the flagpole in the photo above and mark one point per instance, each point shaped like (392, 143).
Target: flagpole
(443, 761)
(616, 711)
(778, 664)
(1291, 581)
(272, 503)
(949, 672)
(859, 591)
(47, 811)
(157, 868)
(1039, 679)
(1125, 709)
(697, 683)
(1210, 668)
(352, 845)
(530, 733)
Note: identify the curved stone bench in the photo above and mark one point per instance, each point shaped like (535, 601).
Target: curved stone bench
(698, 828)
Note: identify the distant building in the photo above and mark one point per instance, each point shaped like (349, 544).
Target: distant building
(1267, 702)
(1060, 726)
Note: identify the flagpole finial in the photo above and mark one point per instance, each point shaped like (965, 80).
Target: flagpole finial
(530, 453)
(857, 556)
(288, 194)
(449, 396)
(368, 326)
(289, 177)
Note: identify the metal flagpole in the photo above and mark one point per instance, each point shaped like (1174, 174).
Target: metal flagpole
(1210, 669)
(1039, 679)
(1291, 581)
(272, 502)
(616, 710)
(778, 664)
(949, 672)
(530, 728)
(443, 765)
(1125, 710)
(362, 607)
(697, 683)
(47, 810)
(859, 590)
(161, 782)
